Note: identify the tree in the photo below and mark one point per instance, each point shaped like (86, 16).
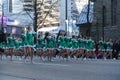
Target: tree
(46, 12)
(43, 13)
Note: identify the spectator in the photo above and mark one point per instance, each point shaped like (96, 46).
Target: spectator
(116, 48)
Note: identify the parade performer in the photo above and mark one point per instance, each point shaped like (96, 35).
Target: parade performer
(109, 48)
(11, 45)
(17, 47)
(90, 48)
(48, 45)
(24, 43)
(67, 45)
(74, 46)
(102, 48)
(61, 44)
(40, 45)
(61, 41)
(30, 43)
(81, 45)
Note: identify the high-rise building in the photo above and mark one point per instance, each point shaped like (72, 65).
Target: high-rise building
(70, 9)
(48, 13)
(12, 6)
(28, 5)
(14, 10)
(22, 11)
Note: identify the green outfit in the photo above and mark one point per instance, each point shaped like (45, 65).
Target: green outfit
(17, 46)
(53, 42)
(30, 39)
(49, 42)
(1, 45)
(109, 46)
(67, 42)
(34, 34)
(90, 45)
(101, 45)
(61, 42)
(11, 42)
(75, 44)
(85, 42)
(40, 43)
(24, 40)
(81, 43)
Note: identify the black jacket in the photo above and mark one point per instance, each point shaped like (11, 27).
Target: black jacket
(116, 46)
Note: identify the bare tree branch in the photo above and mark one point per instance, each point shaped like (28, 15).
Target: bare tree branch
(41, 4)
(43, 21)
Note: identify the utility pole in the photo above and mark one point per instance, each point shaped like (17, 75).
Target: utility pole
(35, 18)
(88, 11)
(66, 13)
(103, 21)
(88, 22)
(35, 15)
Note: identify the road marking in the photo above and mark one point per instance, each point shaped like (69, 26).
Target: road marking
(37, 63)
(51, 64)
(6, 76)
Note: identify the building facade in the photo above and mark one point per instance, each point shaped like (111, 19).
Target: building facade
(14, 9)
(106, 21)
(70, 9)
(48, 13)
(17, 18)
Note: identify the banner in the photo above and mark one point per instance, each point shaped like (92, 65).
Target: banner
(3, 21)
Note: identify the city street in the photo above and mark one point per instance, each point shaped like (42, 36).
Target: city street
(61, 29)
(60, 70)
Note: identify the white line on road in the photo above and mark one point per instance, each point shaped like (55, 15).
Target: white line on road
(37, 63)
(51, 64)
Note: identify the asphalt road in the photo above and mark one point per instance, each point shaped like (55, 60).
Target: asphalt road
(60, 70)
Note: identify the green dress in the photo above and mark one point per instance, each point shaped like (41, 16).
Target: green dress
(11, 42)
(90, 45)
(0, 45)
(67, 42)
(61, 42)
(4, 46)
(75, 44)
(48, 42)
(53, 42)
(34, 34)
(17, 46)
(30, 39)
(109, 46)
(101, 45)
(85, 44)
(81, 43)
(24, 40)
(40, 43)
